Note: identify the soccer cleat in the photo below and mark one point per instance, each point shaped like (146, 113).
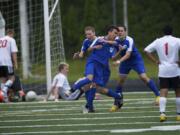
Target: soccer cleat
(163, 117)
(86, 110)
(114, 108)
(178, 117)
(56, 100)
(157, 100)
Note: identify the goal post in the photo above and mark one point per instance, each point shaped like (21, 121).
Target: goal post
(39, 39)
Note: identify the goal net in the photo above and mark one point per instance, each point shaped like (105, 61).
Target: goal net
(27, 18)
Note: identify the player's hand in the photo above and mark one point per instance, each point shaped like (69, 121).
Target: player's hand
(117, 62)
(158, 62)
(120, 47)
(102, 40)
(76, 55)
(98, 47)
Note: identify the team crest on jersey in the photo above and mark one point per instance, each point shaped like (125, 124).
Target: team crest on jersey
(111, 49)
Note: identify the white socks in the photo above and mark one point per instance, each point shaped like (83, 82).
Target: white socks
(162, 104)
(178, 105)
(7, 85)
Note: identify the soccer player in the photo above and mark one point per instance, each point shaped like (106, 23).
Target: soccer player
(102, 51)
(60, 85)
(131, 59)
(8, 61)
(167, 48)
(90, 38)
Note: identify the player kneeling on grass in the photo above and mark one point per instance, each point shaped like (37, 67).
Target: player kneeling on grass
(60, 85)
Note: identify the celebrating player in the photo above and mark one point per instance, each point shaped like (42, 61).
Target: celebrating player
(99, 57)
(131, 59)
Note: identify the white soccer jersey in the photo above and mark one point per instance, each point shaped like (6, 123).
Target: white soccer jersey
(60, 80)
(7, 47)
(167, 48)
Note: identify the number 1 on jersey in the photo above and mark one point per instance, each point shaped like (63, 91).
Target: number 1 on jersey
(166, 48)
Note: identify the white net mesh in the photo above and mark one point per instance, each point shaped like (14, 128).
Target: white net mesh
(10, 10)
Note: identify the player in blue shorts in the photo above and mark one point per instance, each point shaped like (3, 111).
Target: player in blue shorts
(131, 59)
(90, 37)
(100, 58)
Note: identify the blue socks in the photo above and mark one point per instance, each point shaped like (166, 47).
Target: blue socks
(90, 94)
(119, 89)
(153, 87)
(111, 93)
(81, 83)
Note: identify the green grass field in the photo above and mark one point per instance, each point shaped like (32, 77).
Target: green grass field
(139, 116)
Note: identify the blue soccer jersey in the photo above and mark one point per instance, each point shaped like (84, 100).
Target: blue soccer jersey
(89, 68)
(104, 54)
(135, 61)
(100, 58)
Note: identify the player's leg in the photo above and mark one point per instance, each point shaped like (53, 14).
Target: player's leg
(123, 73)
(140, 69)
(9, 74)
(89, 95)
(89, 73)
(164, 86)
(17, 89)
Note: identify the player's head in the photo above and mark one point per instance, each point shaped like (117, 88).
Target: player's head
(89, 32)
(167, 30)
(122, 31)
(10, 32)
(63, 68)
(112, 32)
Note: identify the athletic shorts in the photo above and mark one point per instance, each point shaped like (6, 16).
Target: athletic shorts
(126, 68)
(101, 74)
(173, 82)
(89, 69)
(5, 71)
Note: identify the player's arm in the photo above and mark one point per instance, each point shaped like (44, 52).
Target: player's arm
(149, 50)
(78, 55)
(152, 57)
(124, 58)
(14, 59)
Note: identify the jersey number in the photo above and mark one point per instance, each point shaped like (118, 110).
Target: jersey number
(166, 48)
(3, 43)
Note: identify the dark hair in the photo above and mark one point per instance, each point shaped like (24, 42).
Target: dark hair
(168, 30)
(10, 31)
(120, 25)
(62, 65)
(111, 28)
(89, 28)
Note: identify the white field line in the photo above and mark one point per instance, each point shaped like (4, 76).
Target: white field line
(76, 114)
(154, 128)
(85, 124)
(77, 119)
